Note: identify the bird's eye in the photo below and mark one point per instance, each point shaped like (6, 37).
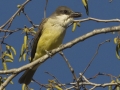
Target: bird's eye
(65, 11)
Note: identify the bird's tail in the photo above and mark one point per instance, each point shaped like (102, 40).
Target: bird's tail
(27, 76)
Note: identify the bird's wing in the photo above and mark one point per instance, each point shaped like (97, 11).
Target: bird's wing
(36, 39)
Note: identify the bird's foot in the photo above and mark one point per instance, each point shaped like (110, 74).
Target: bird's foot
(48, 53)
(61, 46)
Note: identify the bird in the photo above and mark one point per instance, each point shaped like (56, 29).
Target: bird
(50, 35)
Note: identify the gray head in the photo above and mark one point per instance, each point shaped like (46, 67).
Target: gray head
(65, 15)
(63, 10)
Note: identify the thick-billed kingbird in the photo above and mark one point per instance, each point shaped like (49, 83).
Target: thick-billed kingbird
(50, 35)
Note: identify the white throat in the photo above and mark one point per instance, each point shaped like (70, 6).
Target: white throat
(62, 20)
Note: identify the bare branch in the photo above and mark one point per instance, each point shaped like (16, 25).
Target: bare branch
(7, 81)
(94, 84)
(29, 19)
(110, 1)
(67, 45)
(55, 79)
(70, 67)
(95, 55)
(11, 19)
(41, 85)
(97, 20)
(9, 31)
(105, 74)
(45, 8)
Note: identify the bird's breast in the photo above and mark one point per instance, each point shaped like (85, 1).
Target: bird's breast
(52, 37)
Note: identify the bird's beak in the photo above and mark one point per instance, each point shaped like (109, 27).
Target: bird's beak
(75, 14)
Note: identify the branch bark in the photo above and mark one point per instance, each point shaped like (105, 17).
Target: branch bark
(54, 51)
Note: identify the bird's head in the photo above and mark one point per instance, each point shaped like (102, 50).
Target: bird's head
(65, 15)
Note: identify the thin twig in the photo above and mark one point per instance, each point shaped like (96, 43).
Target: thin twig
(95, 55)
(70, 67)
(59, 83)
(105, 74)
(110, 1)
(97, 20)
(84, 77)
(9, 31)
(54, 51)
(42, 85)
(3, 85)
(11, 19)
(67, 45)
(45, 9)
(29, 19)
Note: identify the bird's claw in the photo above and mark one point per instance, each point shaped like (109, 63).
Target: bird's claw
(48, 53)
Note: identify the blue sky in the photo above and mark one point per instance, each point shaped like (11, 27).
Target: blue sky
(80, 54)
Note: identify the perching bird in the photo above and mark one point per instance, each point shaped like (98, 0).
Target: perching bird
(50, 35)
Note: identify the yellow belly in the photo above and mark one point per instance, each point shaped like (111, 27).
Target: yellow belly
(49, 40)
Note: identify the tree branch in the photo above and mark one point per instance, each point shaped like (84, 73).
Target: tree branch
(54, 51)
(97, 20)
(11, 19)
(7, 81)
(67, 45)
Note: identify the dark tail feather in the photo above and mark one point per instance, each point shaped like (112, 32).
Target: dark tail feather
(27, 76)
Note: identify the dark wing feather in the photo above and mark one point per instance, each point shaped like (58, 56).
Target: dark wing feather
(36, 39)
